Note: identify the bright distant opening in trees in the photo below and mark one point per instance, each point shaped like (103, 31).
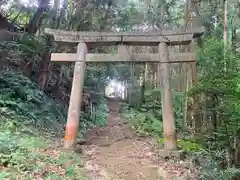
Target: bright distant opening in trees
(115, 89)
(34, 3)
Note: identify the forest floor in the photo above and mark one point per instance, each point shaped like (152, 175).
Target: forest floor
(116, 152)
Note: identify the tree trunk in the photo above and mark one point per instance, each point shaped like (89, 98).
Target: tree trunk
(35, 22)
(62, 13)
(234, 39)
(225, 22)
(237, 151)
(192, 21)
(130, 90)
(144, 83)
(56, 8)
(44, 67)
(185, 110)
(184, 70)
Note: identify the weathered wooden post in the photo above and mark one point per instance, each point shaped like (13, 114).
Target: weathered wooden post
(75, 98)
(169, 128)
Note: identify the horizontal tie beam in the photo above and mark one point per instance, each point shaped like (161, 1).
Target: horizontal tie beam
(133, 57)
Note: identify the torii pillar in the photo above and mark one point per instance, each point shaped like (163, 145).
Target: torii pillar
(169, 128)
(75, 98)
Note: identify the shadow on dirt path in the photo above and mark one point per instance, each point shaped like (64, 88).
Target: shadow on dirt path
(115, 152)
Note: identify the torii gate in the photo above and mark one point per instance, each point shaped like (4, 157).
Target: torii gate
(122, 39)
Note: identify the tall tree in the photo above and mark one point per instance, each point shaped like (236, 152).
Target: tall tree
(36, 20)
(56, 9)
(225, 31)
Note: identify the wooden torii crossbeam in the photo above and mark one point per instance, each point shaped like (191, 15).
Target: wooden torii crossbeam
(130, 38)
(122, 39)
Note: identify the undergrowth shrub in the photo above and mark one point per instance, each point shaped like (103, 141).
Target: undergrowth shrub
(15, 150)
(25, 52)
(210, 163)
(189, 146)
(178, 99)
(86, 122)
(19, 156)
(102, 114)
(147, 118)
(22, 102)
(144, 123)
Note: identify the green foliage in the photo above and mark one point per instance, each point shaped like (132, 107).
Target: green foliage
(128, 17)
(19, 94)
(15, 150)
(18, 153)
(189, 146)
(22, 101)
(148, 117)
(86, 122)
(145, 123)
(219, 89)
(27, 112)
(210, 163)
(96, 76)
(178, 99)
(219, 84)
(101, 114)
(26, 49)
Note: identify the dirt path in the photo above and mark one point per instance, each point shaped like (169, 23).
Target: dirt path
(117, 153)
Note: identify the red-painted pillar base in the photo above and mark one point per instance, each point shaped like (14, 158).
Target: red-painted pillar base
(75, 98)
